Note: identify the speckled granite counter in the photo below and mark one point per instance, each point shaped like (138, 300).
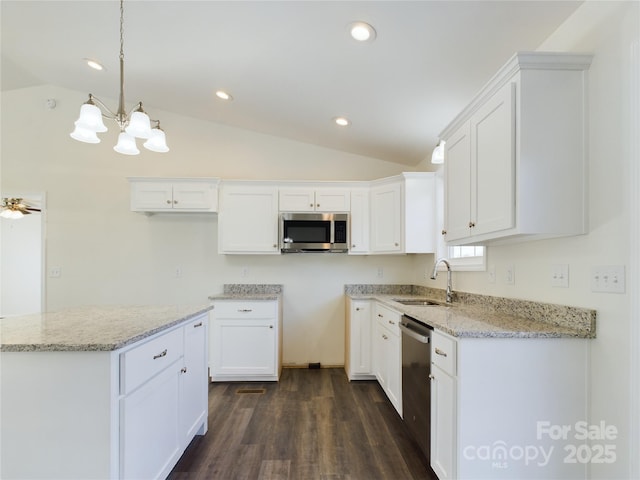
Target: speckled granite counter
(483, 316)
(249, 291)
(90, 328)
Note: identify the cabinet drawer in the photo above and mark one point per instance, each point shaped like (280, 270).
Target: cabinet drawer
(244, 309)
(141, 363)
(443, 353)
(387, 317)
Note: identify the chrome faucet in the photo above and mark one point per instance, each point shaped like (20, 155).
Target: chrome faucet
(434, 274)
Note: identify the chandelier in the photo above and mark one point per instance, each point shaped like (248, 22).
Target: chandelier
(135, 124)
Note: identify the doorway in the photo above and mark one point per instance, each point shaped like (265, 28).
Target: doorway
(22, 259)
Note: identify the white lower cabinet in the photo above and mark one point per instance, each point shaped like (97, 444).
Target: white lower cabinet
(162, 411)
(495, 403)
(358, 338)
(387, 353)
(119, 414)
(246, 340)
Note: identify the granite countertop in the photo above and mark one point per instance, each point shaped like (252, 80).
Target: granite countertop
(249, 291)
(490, 317)
(90, 328)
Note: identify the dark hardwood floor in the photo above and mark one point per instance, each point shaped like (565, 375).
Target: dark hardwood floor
(313, 424)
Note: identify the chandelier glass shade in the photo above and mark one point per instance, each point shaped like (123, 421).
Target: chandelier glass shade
(134, 124)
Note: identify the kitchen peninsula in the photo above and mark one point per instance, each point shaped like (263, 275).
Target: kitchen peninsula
(501, 372)
(102, 392)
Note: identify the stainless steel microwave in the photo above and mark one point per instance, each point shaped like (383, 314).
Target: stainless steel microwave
(314, 232)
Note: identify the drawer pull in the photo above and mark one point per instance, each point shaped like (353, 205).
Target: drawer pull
(199, 324)
(244, 310)
(431, 377)
(380, 315)
(384, 336)
(270, 326)
(392, 323)
(161, 354)
(183, 370)
(440, 352)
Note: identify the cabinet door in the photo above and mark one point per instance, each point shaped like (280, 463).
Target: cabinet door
(360, 335)
(380, 354)
(394, 372)
(243, 348)
(194, 381)
(195, 196)
(150, 442)
(248, 220)
(493, 163)
(386, 219)
(359, 222)
(332, 200)
(297, 200)
(458, 184)
(443, 424)
(147, 196)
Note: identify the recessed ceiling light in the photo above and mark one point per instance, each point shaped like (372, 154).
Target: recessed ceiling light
(342, 121)
(223, 95)
(94, 64)
(362, 32)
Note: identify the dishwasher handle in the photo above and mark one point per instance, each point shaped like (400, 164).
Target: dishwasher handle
(407, 330)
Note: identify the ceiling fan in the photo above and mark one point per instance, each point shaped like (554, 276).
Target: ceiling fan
(15, 208)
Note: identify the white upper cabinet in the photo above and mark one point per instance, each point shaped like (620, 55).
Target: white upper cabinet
(403, 214)
(248, 219)
(359, 221)
(300, 199)
(174, 194)
(515, 158)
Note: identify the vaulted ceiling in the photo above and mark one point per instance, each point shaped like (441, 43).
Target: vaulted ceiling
(291, 66)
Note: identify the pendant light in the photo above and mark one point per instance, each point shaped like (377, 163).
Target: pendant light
(135, 124)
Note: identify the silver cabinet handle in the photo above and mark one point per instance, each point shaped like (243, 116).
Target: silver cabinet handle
(244, 310)
(199, 324)
(161, 354)
(175, 202)
(440, 352)
(392, 323)
(384, 336)
(270, 326)
(168, 202)
(183, 370)
(431, 377)
(318, 205)
(380, 315)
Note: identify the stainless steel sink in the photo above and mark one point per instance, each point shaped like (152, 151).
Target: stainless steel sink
(416, 302)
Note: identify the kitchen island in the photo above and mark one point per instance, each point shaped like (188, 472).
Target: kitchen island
(102, 392)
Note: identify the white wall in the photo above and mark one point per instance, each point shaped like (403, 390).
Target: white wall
(109, 255)
(606, 29)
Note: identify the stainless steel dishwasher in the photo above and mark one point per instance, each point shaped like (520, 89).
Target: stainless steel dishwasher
(416, 387)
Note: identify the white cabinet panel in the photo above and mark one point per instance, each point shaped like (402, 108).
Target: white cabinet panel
(246, 340)
(312, 199)
(149, 439)
(359, 222)
(248, 220)
(358, 340)
(173, 194)
(194, 388)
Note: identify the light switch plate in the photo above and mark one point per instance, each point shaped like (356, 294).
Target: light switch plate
(608, 279)
(560, 275)
(510, 275)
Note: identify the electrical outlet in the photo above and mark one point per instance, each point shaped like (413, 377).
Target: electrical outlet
(244, 272)
(608, 279)
(560, 275)
(178, 272)
(510, 275)
(380, 272)
(55, 272)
